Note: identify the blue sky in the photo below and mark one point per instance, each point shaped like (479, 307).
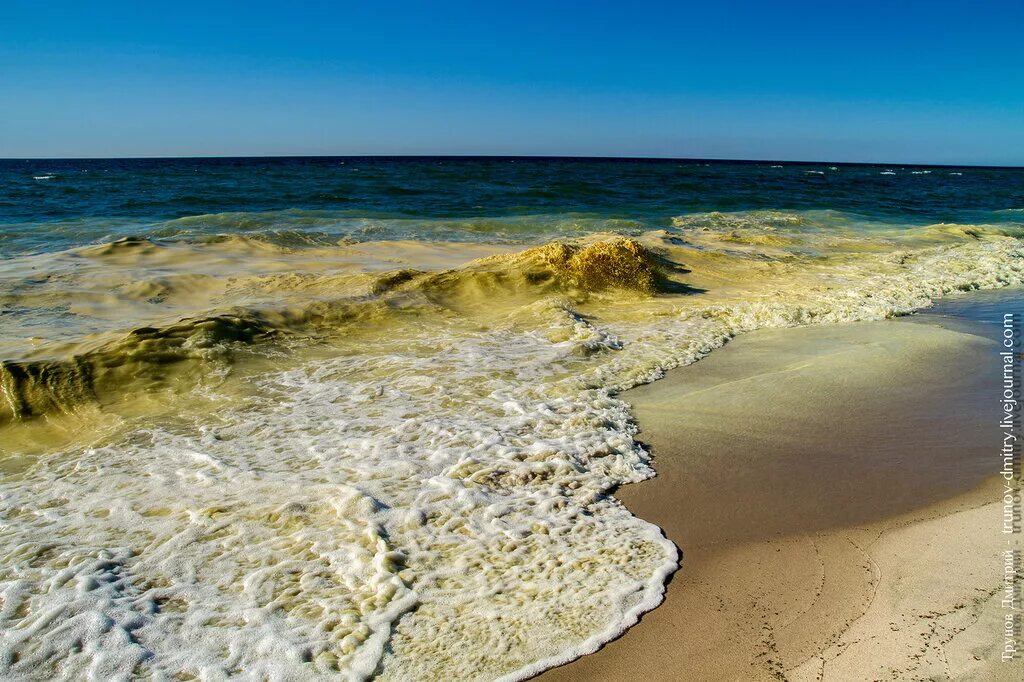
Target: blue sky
(853, 81)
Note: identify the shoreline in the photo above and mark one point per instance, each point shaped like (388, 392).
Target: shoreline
(785, 478)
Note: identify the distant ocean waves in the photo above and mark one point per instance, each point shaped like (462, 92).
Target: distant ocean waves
(294, 228)
(52, 205)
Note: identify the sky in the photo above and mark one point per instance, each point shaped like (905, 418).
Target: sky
(910, 82)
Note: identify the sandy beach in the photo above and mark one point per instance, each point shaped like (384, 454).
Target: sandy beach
(832, 491)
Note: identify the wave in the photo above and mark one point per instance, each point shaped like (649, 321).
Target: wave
(297, 228)
(617, 263)
(746, 219)
(319, 305)
(150, 356)
(137, 362)
(304, 228)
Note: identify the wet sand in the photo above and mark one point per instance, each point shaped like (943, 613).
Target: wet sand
(832, 490)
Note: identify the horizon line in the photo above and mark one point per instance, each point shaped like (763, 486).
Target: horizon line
(571, 157)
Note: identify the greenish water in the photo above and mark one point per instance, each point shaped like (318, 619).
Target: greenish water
(57, 204)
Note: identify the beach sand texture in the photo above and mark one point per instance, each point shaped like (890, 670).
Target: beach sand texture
(832, 491)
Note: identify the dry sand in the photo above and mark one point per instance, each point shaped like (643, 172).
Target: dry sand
(832, 490)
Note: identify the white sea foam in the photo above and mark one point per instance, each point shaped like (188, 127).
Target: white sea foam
(286, 539)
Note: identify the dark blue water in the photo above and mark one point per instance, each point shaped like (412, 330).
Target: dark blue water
(55, 204)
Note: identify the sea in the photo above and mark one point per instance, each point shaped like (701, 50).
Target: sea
(362, 417)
